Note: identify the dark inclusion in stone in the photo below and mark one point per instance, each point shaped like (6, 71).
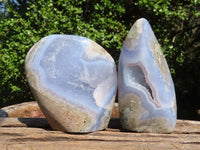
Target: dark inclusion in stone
(137, 76)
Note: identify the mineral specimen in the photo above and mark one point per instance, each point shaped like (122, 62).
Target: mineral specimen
(146, 92)
(74, 81)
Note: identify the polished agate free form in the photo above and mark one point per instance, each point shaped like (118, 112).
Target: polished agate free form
(74, 81)
(146, 94)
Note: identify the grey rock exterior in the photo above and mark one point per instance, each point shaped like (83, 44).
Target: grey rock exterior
(74, 81)
(146, 94)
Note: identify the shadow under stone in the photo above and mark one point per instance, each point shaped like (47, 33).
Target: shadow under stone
(3, 113)
(35, 122)
(114, 123)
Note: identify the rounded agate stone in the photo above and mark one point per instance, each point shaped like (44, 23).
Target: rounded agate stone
(74, 82)
(146, 95)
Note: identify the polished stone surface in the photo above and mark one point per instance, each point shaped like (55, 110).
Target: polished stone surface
(146, 94)
(74, 81)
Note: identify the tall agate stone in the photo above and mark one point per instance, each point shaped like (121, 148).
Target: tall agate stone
(74, 82)
(146, 95)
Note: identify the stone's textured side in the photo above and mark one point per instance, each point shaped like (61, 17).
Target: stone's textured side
(146, 95)
(74, 81)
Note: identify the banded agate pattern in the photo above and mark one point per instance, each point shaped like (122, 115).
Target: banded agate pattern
(74, 81)
(146, 93)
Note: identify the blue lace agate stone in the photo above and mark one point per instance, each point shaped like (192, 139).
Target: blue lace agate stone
(74, 81)
(146, 94)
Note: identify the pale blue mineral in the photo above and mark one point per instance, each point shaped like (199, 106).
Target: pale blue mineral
(74, 81)
(146, 94)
